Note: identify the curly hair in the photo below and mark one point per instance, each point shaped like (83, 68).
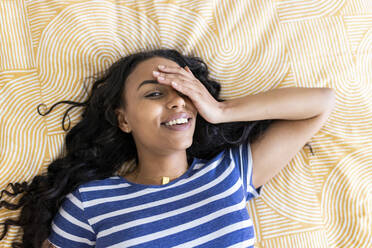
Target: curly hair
(96, 148)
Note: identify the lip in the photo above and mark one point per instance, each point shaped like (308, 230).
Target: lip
(179, 127)
(177, 116)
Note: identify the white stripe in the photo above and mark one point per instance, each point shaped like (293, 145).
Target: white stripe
(250, 171)
(191, 224)
(245, 243)
(75, 201)
(54, 245)
(241, 166)
(248, 187)
(75, 221)
(71, 237)
(198, 166)
(105, 187)
(216, 234)
(242, 176)
(151, 190)
(176, 212)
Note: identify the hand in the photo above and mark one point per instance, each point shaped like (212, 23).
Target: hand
(182, 80)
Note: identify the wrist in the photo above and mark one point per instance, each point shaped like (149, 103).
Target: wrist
(221, 112)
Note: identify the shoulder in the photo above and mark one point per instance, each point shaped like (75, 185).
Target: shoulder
(219, 156)
(109, 181)
(239, 152)
(79, 195)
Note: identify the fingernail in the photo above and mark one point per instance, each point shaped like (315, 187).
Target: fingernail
(156, 73)
(160, 78)
(161, 66)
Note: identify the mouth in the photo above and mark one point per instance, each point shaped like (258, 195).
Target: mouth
(173, 125)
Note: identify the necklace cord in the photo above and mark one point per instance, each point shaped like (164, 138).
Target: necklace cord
(164, 179)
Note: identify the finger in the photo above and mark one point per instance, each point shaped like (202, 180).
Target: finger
(184, 89)
(194, 86)
(191, 88)
(188, 69)
(167, 78)
(175, 69)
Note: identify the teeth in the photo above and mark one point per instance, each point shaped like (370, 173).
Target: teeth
(177, 121)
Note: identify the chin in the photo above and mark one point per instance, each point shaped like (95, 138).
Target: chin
(183, 145)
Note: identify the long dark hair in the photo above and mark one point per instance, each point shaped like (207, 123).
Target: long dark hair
(96, 148)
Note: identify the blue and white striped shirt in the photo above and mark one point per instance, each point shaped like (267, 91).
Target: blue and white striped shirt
(205, 207)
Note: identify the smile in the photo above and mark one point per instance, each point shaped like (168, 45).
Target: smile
(180, 124)
(177, 121)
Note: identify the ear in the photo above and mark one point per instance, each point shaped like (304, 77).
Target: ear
(122, 121)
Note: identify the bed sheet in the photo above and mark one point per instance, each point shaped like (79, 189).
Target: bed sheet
(47, 48)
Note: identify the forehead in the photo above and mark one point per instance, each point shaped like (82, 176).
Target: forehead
(143, 71)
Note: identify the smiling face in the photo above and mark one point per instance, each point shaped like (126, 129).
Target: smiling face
(149, 105)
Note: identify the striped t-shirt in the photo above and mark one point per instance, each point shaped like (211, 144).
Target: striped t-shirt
(205, 207)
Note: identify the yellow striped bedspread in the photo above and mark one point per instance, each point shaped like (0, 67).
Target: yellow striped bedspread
(47, 48)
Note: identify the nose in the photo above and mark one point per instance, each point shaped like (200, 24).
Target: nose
(176, 100)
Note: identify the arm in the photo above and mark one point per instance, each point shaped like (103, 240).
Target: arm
(301, 112)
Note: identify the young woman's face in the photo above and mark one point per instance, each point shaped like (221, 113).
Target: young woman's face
(149, 105)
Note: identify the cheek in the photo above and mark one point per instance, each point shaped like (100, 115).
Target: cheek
(192, 106)
(146, 115)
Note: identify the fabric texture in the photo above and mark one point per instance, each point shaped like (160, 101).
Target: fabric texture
(48, 48)
(205, 207)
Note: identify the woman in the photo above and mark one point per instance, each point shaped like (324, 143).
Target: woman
(196, 159)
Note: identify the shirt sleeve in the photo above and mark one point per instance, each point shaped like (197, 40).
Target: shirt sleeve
(70, 227)
(242, 157)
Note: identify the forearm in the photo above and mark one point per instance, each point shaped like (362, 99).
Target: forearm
(283, 103)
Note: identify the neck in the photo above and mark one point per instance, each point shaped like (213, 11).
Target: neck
(151, 169)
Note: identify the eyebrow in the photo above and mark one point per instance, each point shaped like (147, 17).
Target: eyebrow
(147, 82)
